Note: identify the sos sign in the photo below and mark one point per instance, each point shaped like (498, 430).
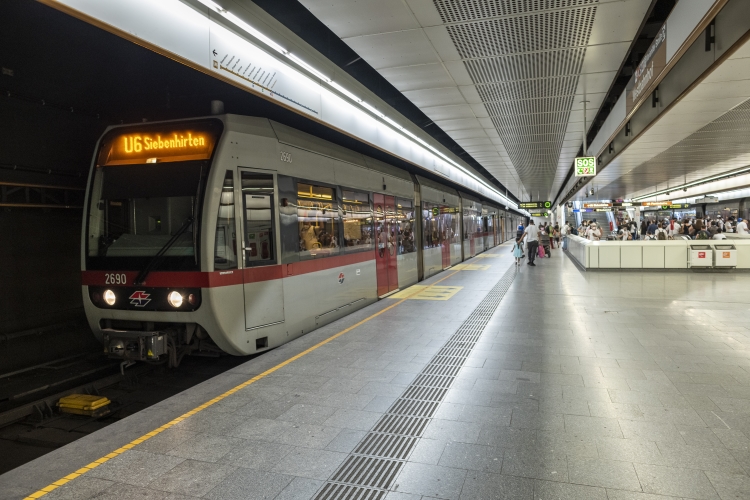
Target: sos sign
(585, 166)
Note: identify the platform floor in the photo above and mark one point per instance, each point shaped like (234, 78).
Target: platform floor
(627, 386)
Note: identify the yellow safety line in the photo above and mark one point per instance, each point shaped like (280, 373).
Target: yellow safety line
(157, 431)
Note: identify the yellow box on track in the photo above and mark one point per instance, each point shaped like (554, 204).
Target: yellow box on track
(82, 402)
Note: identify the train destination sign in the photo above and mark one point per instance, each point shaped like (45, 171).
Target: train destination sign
(585, 166)
(539, 214)
(130, 146)
(655, 203)
(597, 205)
(536, 204)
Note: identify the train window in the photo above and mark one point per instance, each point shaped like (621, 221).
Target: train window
(405, 220)
(357, 219)
(136, 210)
(318, 219)
(225, 248)
(258, 207)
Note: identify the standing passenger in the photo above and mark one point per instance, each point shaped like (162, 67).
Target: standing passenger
(531, 235)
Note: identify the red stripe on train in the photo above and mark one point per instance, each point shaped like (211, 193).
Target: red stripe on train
(198, 279)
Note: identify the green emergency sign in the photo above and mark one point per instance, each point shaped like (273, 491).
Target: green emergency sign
(585, 166)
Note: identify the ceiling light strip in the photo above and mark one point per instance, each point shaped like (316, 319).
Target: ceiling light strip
(360, 103)
(699, 182)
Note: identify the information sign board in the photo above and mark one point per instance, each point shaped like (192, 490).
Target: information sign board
(539, 214)
(536, 204)
(585, 166)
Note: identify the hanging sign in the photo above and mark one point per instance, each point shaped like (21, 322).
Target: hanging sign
(585, 166)
(536, 204)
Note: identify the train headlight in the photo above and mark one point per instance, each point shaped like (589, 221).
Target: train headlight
(109, 297)
(174, 298)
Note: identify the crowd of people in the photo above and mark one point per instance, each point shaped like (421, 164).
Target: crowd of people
(701, 228)
(541, 240)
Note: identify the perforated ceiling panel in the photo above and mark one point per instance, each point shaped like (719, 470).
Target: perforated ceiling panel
(470, 10)
(526, 69)
(506, 79)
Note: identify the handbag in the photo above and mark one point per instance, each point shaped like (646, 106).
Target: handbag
(541, 251)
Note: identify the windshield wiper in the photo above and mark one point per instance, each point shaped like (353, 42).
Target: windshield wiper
(156, 259)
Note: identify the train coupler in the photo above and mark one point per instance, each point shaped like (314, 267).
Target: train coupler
(135, 346)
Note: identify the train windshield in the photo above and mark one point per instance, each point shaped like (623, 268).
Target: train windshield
(146, 196)
(136, 210)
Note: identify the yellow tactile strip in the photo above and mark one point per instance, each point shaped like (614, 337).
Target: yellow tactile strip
(471, 267)
(420, 292)
(96, 463)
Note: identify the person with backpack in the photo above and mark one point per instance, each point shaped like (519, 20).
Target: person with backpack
(660, 233)
(702, 234)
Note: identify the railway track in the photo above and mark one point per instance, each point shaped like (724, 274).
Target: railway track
(31, 425)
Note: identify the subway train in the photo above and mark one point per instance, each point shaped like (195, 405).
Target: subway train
(236, 234)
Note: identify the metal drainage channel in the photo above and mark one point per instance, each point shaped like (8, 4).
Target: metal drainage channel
(369, 471)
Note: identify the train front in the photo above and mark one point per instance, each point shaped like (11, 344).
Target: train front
(141, 247)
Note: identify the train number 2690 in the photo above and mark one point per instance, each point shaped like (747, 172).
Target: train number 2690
(115, 279)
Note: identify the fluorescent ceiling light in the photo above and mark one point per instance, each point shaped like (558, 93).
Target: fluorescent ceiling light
(699, 182)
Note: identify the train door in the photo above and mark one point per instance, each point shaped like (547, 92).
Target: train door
(263, 287)
(386, 228)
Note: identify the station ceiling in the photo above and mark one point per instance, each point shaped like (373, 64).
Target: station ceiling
(506, 80)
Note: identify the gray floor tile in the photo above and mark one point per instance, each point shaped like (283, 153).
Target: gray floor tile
(487, 486)
(603, 473)
(592, 426)
(309, 463)
(448, 430)
(300, 488)
(676, 482)
(150, 466)
(166, 440)
(428, 451)
(192, 478)
(549, 490)
(430, 480)
(730, 486)
(261, 455)
(353, 419)
(536, 462)
(529, 419)
(120, 491)
(472, 456)
(247, 484)
(307, 414)
(632, 495)
(205, 447)
(652, 431)
(630, 450)
(346, 441)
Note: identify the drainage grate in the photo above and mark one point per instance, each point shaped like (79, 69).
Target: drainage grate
(376, 461)
(389, 445)
(334, 491)
(368, 471)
